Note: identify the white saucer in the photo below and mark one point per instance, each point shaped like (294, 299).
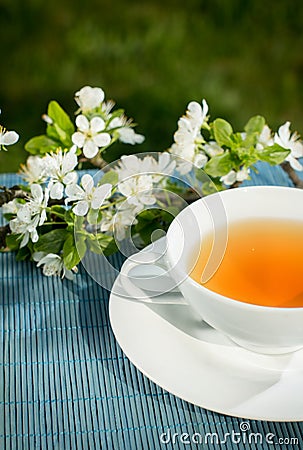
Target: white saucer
(169, 344)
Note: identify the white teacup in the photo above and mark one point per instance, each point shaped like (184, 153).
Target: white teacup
(271, 330)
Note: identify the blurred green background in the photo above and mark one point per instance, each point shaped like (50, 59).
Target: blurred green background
(152, 58)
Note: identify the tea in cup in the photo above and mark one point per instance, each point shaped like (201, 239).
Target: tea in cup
(241, 270)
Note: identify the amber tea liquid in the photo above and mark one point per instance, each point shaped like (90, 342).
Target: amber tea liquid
(262, 264)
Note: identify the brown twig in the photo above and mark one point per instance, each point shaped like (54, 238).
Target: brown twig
(4, 231)
(8, 194)
(292, 174)
(98, 161)
(236, 184)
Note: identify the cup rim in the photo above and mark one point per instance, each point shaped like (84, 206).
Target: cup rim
(224, 298)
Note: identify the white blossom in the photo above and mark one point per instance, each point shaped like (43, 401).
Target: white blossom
(233, 176)
(132, 165)
(90, 135)
(53, 264)
(30, 215)
(291, 142)
(212, 148)
(138, 190)
(25, 228)
(197, 114)
(11, 207)
(60, 168)
(107, 108)
(119, 221)
(89, 98)
(87, 196)
(188, 139)
(34, 170)
(165, 166)
(138, 175)
(7, 137)
(265, 138)
(127, 135)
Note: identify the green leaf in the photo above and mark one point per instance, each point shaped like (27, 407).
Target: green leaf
(110, 177)
(58, 210)
(255, 125)
(9, 216)
(23, 254)
(62, 127)
(152, 220)
(69, 217)
(210, 187)
(102, 244)
(146, 230)
(274, 155)
(219, 165)
(170, 213)
(40, 145)
(94, 216)
(222, 132)
(107, 244)
(247, 156)
(13, 241)
(51, 242)
(93, 245)
(148, 214)
(201, 175)
(236, 140)
(74, 250)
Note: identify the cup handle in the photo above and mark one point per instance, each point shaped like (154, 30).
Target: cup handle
(143, 277)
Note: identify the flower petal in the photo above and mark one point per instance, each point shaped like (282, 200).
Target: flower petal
(297, 149)
(78, 139)
(115, 123)
(70, 178)
(90, 149)
(97, 124)
(128, 135)
(102, 139)
(230, 178)
(37, 256)
(42, 217)
(74, 192)
(295, 164)
(68, 274)
(10, 137)
(284, 132)
(56, 191)
(25, 239)
(131, 163)
(87, 182)
(49, 258)
(24, 214)
(37, 192)
(82, 123)
(200, 160)
(34, 235)
(70, 160)
(89, 97)
(100, 194)
(81, 208)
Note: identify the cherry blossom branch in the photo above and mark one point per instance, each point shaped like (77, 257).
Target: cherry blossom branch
(298, 182)
(236, 184)
(9, 194)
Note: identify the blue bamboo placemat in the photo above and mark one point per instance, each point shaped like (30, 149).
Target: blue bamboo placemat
(65, 383)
